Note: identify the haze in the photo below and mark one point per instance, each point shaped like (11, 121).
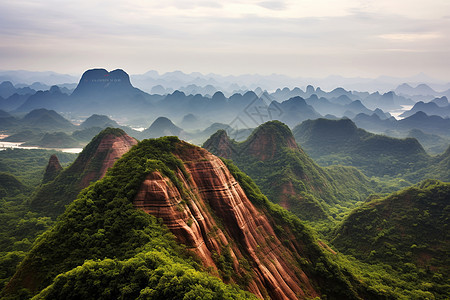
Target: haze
(295, 38)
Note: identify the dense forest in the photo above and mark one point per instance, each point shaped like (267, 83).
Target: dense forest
(359, 238)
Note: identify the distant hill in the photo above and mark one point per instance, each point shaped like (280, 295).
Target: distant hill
(101, 121)
(91, 164)
(429, 124)
(442, 101)
(13, 102)
(7, 89)
(98, 91)
(287, 175)
(421, 89)
(430, 108)
(433, 144)
(294, 111)
(7, 121)
(55, 140)
(48, 120)
(437, 168)
(340, 141)
(162, 126)
(420, 120)
(407, 230)
(51, 99)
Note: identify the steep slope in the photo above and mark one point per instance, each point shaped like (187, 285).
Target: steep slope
(407, 230)
(233, 230)
(340, 141)
(53, 169)
(92, 163)
(287, 175)
(437, 168)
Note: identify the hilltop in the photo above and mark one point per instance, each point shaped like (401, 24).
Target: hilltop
(91, 164)
(288, 176)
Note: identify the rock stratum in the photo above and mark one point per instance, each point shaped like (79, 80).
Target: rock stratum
(91, 165)
(213, 192)
(287, 175)
(115, 231)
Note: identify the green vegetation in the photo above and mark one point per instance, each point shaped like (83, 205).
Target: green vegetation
(101, 247)
(406, 232)
(287, 175)
(103, 227)
(29, 165)
(332, 142)
(52, 197)
(55, 140)
(18, 226)
(10, 185)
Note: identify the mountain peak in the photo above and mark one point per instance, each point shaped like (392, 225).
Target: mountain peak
(269, 138)
(53, 169)
(100, 80)
(91, 164)
(220, 144)
(162, 126)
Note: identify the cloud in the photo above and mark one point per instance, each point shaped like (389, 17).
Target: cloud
(410, 37)
(312, 36)
(273, 5)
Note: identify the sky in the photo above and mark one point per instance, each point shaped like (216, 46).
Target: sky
(303, 38)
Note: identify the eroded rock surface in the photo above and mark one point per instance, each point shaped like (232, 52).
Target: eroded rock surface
(210, 213)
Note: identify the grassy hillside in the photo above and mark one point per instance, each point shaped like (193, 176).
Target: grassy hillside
(289, 177)
(407, 230)
(52, 197)
(103, 248)
(341, 142)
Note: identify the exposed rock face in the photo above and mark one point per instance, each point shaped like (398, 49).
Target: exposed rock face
(264, 145)
(220, 143)
(211, 196)
(52, 170)
(109, 150)
(91, 165)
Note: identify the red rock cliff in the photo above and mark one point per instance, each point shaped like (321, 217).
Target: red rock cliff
(214, 218)
(53, 169)
(109, 150)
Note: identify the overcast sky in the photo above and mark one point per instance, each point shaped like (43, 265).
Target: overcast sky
(308, 38)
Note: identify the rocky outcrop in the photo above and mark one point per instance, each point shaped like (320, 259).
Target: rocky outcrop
(91, 165)
(109, 150)
(220, 144)
(264, 144)
(52, 170)
(208, 211)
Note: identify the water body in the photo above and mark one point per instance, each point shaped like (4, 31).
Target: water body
(396, 113)
(9, 145)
